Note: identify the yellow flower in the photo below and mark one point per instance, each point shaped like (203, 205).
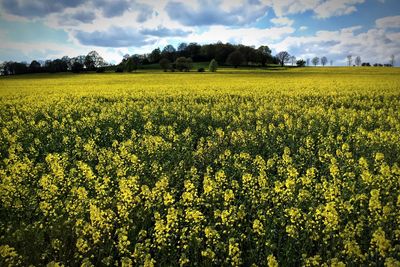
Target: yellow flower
(228, 195)
(390, 262)
(272, 262)
(234, 253)
(258, 227)
(168, 199)
(380, 242)
(374, 202)
(331, 217)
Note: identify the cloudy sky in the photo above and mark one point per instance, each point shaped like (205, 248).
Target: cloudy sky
(49, 29)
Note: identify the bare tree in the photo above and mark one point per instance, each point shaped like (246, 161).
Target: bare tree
(283, 57)
(349, 60)
(293, 59)
(315, 61)
(358, 61)
(392, 61)
(324, 60)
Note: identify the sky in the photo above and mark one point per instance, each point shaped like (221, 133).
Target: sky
(50, 29)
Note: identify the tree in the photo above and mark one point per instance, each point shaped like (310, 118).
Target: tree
(34, 67)
(235, 59)
(349, 60)
(169, 49)
(6, 68)
(56, 66)
(89, 63)
(155, 56)
(265, 54)
(67, 61)
(324, 60)
(358, 61)
(331, 62)
(93, 60)
(80, 59)
(132, 63)
(283, 57)
(126, 57)
(77, 67)
(169, 52)
(11, 68)
(308, 62)
(222, 51)
(392, 61)
(300, 63)
(182, 47)
(315, 61)
(293, 59)
(183, 64)
(213, 65)
(165, 64)
(193, 51)
(254, 56)
(182, 50)
(2, 71)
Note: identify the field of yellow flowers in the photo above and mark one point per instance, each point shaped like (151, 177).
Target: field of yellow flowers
(262, 168)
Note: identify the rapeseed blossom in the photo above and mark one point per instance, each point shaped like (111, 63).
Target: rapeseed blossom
(201, 170)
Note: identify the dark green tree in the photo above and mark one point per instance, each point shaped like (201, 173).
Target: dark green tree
(300, 63)
(155, 56)
(165, 64)
(132, 63)
(235, 59)
(35, 67)
(183, 64)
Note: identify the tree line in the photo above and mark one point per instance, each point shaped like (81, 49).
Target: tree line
(182, 57)
(358, 62)
(91, 62)
(176, 59)
(169, 57)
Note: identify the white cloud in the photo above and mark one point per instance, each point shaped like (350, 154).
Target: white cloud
(332, 8)
(113, 37)
(285, 21)
(322, 8)
(246, 36)
(285, 7)
(209, 12)
(388, 22)
(374, 45)
(48, 50)
(144, 19)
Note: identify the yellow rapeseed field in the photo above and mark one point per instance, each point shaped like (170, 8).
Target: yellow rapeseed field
(234, 168)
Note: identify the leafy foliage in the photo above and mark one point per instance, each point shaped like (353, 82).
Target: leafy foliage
(183, 64)
(165, 64)
(213, 65)
(300, 63)
(236, 59)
